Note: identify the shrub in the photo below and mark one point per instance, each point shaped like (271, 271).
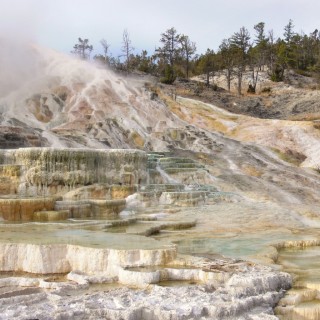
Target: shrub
(266, 90)
(304, 73)
(251, 89)
(277, 73)
(199, 88)
(169, 75)
(214, 87)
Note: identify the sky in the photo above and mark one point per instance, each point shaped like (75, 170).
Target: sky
(59, 23)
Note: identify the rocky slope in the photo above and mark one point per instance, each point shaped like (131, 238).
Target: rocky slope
(297, 98)
(67, 102)
(71, 103)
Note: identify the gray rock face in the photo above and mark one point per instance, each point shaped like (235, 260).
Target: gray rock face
(17, 137)
(52, 171)
(31, 180)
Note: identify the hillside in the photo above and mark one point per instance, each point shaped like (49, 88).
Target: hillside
(68, 102)
(71, 103)
(297, 98)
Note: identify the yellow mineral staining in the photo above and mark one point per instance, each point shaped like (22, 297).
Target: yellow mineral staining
(51, 215)
(24, 209)
(251, 171)
(137, 139)
(10, 170)
(9, 179)
(92, 182)
(49, 171)
(102, 208)
(121, 192)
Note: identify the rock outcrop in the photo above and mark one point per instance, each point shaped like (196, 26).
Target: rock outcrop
(34, 179)
(47, 171)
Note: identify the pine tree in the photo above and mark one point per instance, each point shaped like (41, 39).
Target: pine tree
(82, 49)
(240, 41)
(188, 49)
(227, 58)
(288, 31)
(169, 53)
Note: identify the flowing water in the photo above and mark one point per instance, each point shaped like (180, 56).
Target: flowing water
(84, 234)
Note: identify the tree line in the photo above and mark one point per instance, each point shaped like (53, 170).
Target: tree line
(176, 56)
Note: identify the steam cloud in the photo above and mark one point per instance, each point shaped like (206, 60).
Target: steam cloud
(18, 65)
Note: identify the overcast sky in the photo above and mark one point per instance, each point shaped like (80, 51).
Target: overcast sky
(59, 23)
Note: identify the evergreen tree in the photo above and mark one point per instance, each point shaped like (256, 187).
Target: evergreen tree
(207, 64)
(261, 45)
(170, 49)
(288, 31)
(227, 55)
(146, 63)
(82, 49)
(188, 49)
(257, 55)
(168, 54)
(240, 42)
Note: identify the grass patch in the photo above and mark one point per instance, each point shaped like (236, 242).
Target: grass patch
(306, 117)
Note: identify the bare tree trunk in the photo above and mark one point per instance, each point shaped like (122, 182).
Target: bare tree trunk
(240, 74)
(229, 79)
(253, 85)
(126, 48)
(239, 84)
(255, 80)
(187, 68)
(208, 78)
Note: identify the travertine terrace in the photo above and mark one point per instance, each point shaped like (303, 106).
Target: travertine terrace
(190, 221)
(71, 193)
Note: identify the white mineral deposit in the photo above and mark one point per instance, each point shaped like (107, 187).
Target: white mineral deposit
(121, 200)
